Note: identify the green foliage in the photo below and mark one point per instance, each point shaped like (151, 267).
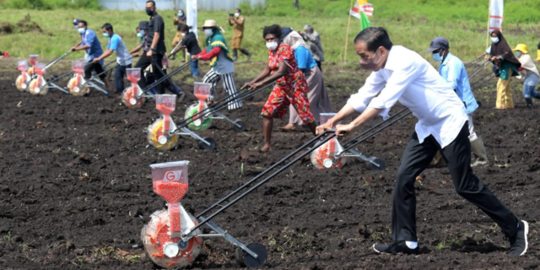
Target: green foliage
(51, 4)
(248, 10)
(412, 23)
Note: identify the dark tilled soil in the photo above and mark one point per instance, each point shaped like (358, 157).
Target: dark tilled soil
(76, 189)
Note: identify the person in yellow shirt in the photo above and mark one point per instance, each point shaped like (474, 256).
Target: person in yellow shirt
(237, 21)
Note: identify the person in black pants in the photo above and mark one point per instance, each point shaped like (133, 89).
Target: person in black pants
(405, 76)
(155, 47)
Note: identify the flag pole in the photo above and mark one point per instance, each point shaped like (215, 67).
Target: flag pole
(489, 17)
(347, 36)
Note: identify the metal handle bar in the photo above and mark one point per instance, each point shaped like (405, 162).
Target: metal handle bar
(284, 167)
(165, 77)
(474, 61)
(353, 144)
(57, 60)
(480, 68)
(220, 106)
(476, 83)
(353, 140)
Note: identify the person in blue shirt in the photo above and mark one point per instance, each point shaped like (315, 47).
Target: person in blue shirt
(123, 57)
(318, 97)
(454, 72)
(92, 47)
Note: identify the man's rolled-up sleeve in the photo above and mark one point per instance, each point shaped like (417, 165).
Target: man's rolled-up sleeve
(373, 85)
(395, 86)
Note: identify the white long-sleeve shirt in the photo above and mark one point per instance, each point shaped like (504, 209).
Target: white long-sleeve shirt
(411, 80)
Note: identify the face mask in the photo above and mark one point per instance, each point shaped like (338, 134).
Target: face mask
(370, 65)
(236, 14)
(272, 45)
(76, 27)
(208, 32)
(180, 14)
(149, 11)
(106, 35)
(495, 39)
(183, 34)
(140, 34)
(437, 57)
(81, 30)
(518, 54)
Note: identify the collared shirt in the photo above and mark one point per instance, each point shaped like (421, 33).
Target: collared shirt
(89, 38)
(123, 58)
(411, 80)
(156, 25)
(454, 72)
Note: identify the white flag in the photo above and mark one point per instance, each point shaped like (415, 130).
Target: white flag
(191, 7)
(496, 8)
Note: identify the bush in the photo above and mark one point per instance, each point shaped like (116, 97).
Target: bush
(52, 4)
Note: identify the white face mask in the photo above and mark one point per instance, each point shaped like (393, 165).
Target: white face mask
(237, 14)
(208, 32)
(495, 39)
(183, 34)
(272, 45)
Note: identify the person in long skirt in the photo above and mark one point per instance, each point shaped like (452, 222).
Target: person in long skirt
(319, 102)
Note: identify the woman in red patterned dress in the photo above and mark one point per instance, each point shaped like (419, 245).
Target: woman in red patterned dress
(290, 88)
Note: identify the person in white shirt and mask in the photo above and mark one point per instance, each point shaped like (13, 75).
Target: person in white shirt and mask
(400, 74)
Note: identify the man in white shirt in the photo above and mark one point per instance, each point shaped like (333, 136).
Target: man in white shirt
(403, 75)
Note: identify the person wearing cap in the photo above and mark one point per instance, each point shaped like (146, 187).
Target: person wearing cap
(319, 102)
(290, 85)
(92, 47)
(315, 45)
(402, 75)
(528, 72)
(123, 57)
(237, 22)
(141, 34)
(453, 71)
(221, 63)
(502, 56)
(179, 20)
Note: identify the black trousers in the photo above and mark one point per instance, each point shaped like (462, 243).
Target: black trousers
(157, 66)
(458, 157)
(97, 67)
(119, 74)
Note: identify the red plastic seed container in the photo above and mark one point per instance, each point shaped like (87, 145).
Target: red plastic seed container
(34, 59)
(170, 181)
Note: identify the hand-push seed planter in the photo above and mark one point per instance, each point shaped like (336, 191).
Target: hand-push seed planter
(41, 81)
(132, 95)
(204, 115)
(181, 246)
(77, 81)
(135, 99)
(162, 235)
(159, 131)
(95, 81)
(22, 80)
(202, 92)
(333, 155)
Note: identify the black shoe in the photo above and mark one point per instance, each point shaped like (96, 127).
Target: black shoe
(529, 102)
(396, 247)
(518, 242)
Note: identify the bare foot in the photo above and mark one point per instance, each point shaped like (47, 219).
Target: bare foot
(265, 148)
(288, 127)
